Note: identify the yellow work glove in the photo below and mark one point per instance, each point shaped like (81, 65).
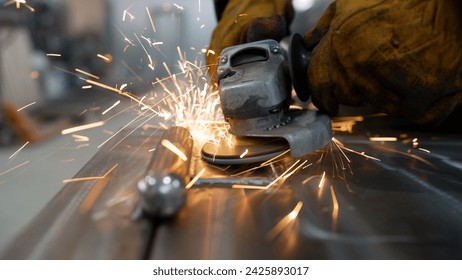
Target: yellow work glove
(246, 21)
(402, 56)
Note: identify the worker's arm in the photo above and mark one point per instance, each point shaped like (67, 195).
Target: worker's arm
(403, 57)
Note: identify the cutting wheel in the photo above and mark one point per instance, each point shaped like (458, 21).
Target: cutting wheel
(244, 150)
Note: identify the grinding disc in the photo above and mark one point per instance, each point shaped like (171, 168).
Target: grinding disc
(244, 150)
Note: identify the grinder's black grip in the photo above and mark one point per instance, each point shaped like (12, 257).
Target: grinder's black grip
(299, 60)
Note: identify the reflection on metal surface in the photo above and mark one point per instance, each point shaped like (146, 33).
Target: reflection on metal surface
(400, 207)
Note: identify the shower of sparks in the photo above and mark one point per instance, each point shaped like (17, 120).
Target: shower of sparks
(150, 20)
(110, 108)
(280, 179)
(123, 93)
(82, 127)
(87, 74)
(13, 168)
(194, 180)
(262, 165)
(383, 139)
(92, 177)
(24, 107)
(19, 150)
(284, 222)
(174, 149)
(342, 147)
(54, 54)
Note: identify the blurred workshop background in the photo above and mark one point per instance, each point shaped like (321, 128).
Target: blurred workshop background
(46, 45)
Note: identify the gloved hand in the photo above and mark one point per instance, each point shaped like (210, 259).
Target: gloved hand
(245, 21)
(403, 57)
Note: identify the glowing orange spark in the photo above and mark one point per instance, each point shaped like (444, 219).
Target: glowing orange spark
(244, 153)
(424, 150)
(150, 20)
(383, 139)
(110, 108)
(80, 138)
(284, 222)
(194, 180)
(323, 179)
(104, 57)
(19, 3)
(13, 168)
(24, 107)
(92, 177)
(86, 73)
(178, 6)
(341, 146)
(174, 149)
(93, 195)
(19, 150)
(335, 208)
(127, 13)
(81, 127)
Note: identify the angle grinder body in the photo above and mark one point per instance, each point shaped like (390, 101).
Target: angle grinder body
(255, 83)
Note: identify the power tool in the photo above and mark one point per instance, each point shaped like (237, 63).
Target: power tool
(255, 82)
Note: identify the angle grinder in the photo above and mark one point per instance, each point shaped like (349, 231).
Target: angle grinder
(255, 83)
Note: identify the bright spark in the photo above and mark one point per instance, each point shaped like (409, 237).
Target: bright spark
(335, 208)
(244, 153)
(92, 177)
(80, 138)
(284, 222)
(110, 108)
(322, 181)
(151, 63)
(54, 54)
(82, 127)
(424, 150)
(87, 74)
(13, 168)
(174, 149)
(178, 6)
(194, 180)
(127, 13)
(383, 139)
(19, 3)
(87, 87)
(24, 107)
(150, 20)
(105, 58)
(19, 150)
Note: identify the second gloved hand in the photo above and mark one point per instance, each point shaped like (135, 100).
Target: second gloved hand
(403, 57)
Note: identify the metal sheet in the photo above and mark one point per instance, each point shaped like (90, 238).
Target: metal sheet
(407, 205)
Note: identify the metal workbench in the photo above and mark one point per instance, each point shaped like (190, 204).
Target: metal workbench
(395, 201)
